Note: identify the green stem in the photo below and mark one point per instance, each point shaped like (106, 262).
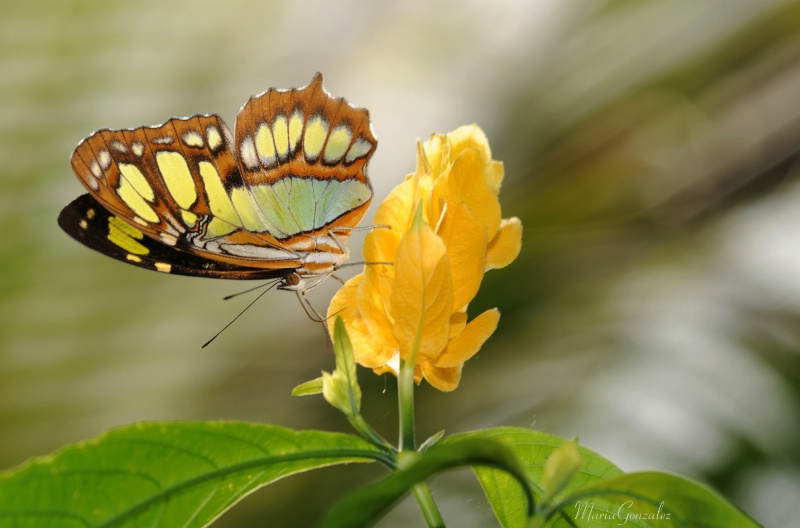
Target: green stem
(405, 394)
(427, 505)
(361, 425)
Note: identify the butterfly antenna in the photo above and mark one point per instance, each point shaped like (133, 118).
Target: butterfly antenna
(231, 296)
(240, 313)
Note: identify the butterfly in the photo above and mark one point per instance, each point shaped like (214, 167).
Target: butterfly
(278, 201)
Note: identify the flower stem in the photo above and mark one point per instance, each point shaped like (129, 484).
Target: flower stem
(405, 394)
(427, 506)
(360, 424)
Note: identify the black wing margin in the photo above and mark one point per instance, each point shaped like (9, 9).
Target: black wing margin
(85, 220)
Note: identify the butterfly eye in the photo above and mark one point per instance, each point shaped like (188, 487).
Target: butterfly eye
(292, 279)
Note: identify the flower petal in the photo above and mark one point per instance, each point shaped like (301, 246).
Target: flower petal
(467, 183)
(437, 153)
(343, 304)
(467, 343)
(367, 350)
(466, 238)
(372, 302)
(397, 211)
(494, 176)
(380, 245)
(469, 137)
(458, 321)
(422, 299)
(385, 369)
(472, 137)
(505, 246)
(444, 379)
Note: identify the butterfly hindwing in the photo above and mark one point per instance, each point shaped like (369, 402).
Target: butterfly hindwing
(88, 222)
(303, 154)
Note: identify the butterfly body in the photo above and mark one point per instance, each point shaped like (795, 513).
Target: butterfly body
(185, 197)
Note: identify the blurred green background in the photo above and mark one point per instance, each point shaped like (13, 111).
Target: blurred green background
(651, 150)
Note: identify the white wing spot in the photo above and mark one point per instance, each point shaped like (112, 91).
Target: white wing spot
(168, 239)
(95, 168)
(164, 140)
(92, 182)
(359, 149)
(193, 139)
(105, 159)
(137, 148)
(214, 138)
(248, 153)
(119, 146)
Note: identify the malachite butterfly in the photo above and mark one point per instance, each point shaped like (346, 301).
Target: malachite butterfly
(279, 200)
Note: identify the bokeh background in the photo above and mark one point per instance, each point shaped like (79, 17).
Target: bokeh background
(651, 150)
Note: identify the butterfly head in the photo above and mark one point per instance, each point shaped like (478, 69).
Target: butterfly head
(293, 282)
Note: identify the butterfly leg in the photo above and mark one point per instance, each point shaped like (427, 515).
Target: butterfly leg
(348, 230)
(306, 303)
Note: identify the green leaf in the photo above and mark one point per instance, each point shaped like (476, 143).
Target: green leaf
(532, 448)
(308, 388)
(165, 474)
(340, 388)
(652, 499)
(560, 468)
(599, 494)
(366, 504)
(431, 441)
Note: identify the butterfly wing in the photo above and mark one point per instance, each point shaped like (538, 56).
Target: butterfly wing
(303, 156)
(90, 223)
(287, 203)
(172, 183)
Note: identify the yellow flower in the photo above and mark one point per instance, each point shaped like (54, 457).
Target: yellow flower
(446, 232)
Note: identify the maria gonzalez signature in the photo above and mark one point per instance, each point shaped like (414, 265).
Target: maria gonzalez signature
(586, 511)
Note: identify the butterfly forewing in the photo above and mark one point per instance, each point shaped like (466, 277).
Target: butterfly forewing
(145, 176)
(172, 183)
